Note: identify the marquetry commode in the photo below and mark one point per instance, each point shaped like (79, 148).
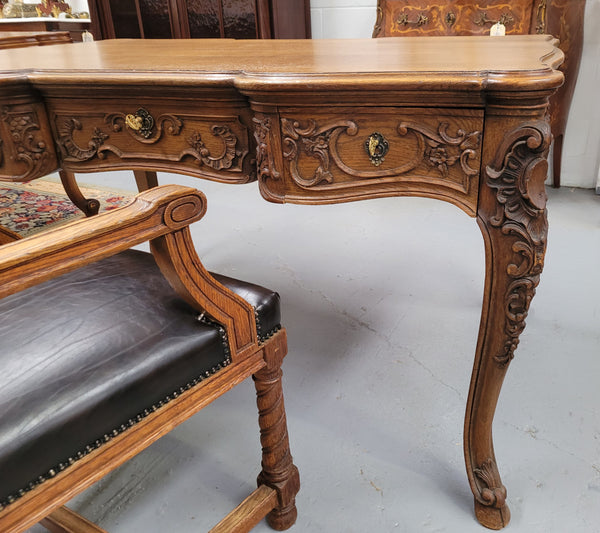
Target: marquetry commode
(459, 119)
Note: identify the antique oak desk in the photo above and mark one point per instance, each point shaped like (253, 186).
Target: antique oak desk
(459, 119)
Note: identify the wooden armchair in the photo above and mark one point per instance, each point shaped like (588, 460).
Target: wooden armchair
(100, 356)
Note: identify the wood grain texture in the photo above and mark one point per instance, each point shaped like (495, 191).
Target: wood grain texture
(248, 513)
(64, 520)
(20, 39)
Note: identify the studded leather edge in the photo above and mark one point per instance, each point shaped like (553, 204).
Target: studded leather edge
(52, 472)
(263, 337)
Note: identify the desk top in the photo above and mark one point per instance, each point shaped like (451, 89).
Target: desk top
(506, 63)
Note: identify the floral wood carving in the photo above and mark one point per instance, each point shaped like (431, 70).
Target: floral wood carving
(315, 142)
(441, 150)
(517, 175)
(226, 158)
(494, 493)
(73, 151)
(27, 143)
(438, 149)
(264, 152)
(169, 123)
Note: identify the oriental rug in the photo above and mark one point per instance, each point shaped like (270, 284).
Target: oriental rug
(27, 208)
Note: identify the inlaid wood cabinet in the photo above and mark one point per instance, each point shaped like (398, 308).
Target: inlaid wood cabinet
(458, 17)
(183, 19)
(561, 18)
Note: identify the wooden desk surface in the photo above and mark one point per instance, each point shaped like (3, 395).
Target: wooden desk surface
(505, 62)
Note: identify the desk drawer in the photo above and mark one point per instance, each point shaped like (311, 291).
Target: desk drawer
(148, 135)
(383, 152)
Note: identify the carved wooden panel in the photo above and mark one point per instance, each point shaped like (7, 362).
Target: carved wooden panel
(429, 151)
(26, 143)
(457, 17)
(146, 136)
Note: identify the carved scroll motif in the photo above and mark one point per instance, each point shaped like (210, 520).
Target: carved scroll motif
(264, 152)
(28, 146)
(71, 148)
(226, 158)
(168, 123)
(314, 141)
(494, 493)
(441, 150)
(438, 149)
(518, 174)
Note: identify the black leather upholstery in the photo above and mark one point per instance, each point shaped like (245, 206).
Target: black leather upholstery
(83, 355)
(264, 301)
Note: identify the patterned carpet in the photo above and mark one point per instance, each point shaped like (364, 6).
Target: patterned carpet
(27, 208)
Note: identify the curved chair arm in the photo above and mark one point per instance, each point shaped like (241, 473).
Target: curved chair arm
(162, 215)
(43, 256)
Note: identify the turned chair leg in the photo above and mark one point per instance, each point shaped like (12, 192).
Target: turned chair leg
(278, 470)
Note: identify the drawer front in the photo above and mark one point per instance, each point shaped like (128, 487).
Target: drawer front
(460, 17)
(476, 18)
(146, 135)
(409, 19)
(383, 152)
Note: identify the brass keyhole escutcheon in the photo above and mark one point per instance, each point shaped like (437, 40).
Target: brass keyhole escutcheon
(141, 122)
(376, 147)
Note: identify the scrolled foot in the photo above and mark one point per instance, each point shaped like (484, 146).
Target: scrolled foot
(492, 517)
(491, 509)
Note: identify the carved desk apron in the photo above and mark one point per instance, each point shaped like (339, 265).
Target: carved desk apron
(459, 119)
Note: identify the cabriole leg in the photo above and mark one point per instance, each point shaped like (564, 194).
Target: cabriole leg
(512, 217)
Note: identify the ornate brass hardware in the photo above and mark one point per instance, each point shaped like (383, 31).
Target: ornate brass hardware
(450, 18)
(541, 17)
(376, 147)
(142, 122)
(505, 19)
(421, 20)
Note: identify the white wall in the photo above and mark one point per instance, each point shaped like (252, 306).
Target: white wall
(581, 152)
(78, 5)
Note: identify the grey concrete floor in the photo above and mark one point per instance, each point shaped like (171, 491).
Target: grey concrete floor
(381, 300)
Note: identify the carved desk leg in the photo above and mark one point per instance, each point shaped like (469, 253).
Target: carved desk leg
(512, 217)
(89, 206)
(278, 470)
(145, 179)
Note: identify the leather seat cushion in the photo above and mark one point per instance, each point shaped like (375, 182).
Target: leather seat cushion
(83, 355)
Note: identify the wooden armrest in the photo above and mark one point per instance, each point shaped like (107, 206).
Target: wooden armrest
(161, 215)
(46, 255)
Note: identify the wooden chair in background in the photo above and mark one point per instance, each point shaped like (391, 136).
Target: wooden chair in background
(102, 352)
